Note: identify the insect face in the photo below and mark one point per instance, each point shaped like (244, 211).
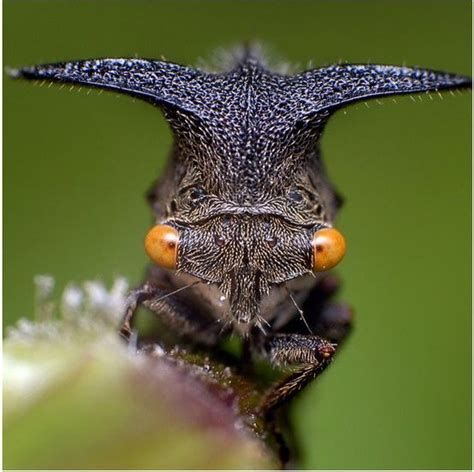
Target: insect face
(244, 255)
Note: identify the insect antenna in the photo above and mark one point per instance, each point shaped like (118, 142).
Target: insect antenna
(180, 289)
(300, 311)
(226, 322)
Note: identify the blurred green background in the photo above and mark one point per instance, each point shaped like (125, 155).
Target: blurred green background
(76, 167)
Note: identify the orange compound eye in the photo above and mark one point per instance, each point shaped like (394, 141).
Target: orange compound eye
(329, 247)
(161, 245)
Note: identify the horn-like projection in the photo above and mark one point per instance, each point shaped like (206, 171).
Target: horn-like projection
(336, 86)
(213, 95)
(158, 82)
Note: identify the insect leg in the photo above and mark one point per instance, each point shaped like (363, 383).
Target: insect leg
(173, 311)
(329, 322)
(134, 299)
(312, 353)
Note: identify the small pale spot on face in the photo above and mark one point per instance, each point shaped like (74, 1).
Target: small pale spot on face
(272, 241)
(219, 240)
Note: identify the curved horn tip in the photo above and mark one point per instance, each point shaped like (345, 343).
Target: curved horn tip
(12, 72)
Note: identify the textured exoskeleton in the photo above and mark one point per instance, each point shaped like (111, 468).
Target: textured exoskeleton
(246, 191)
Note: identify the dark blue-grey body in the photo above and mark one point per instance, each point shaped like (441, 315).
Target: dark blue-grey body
(246, 190)
(245, 186)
